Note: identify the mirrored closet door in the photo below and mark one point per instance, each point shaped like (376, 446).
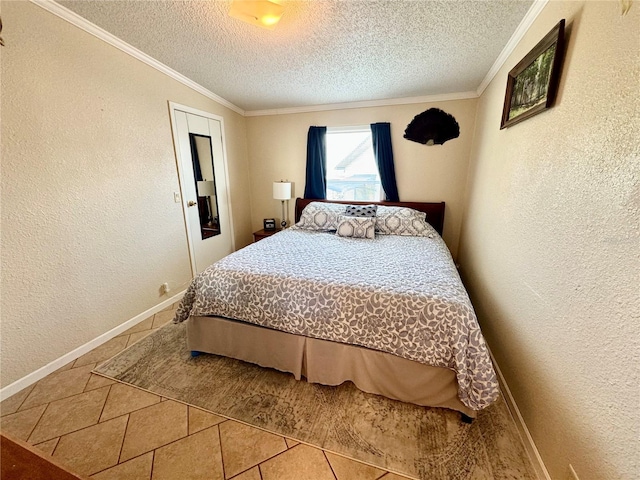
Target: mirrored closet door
(203, 183)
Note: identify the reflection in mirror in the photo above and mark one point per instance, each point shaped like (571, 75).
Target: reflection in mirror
(205, 179)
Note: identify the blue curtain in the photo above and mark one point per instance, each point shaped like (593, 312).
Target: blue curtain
(383, 153)
(316, 177)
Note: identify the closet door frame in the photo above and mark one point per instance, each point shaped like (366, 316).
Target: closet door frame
(184, 177)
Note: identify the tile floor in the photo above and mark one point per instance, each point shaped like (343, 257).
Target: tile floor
(111, 431)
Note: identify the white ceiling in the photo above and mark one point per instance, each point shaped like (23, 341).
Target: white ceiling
(322, 51)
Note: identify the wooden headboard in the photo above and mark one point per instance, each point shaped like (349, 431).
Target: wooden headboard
(434, 211)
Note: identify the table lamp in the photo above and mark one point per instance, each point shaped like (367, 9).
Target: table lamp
(282, 192)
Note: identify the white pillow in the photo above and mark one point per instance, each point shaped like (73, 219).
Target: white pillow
(356, 227)
(403, 221)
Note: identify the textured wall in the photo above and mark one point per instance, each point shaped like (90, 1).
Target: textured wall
(89, 226)
(550, 245)
(278, 150)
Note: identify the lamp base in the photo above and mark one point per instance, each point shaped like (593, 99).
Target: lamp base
(283, 223)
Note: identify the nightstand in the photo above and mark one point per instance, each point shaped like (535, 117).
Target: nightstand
(260, 234)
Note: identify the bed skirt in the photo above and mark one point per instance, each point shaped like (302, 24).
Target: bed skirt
(327, 363)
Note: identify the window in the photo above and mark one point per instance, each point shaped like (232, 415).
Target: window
(352, 173)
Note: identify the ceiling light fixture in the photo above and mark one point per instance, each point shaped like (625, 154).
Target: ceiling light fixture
(263, 13)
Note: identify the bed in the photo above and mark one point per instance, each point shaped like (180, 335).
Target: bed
(388, 313)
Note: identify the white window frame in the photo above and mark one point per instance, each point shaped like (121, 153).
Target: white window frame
(357, 129)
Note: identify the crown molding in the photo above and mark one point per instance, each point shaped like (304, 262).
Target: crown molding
(80, 22)
(107, 37)
(365, 104)
(522, 28)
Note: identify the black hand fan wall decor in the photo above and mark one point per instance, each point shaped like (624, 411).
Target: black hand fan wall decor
(432, 127)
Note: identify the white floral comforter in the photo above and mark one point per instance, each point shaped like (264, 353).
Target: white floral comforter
(396, 294)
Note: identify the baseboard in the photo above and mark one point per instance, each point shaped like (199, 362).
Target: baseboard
(51, 367)
(527, 440)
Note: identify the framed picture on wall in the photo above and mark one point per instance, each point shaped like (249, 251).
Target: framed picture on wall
(533, 83)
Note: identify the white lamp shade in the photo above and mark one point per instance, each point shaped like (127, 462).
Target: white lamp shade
(206, 188)
(282, 190)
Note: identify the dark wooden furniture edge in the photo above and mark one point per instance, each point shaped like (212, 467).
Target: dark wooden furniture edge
(434, 210)
(260, 234)
(21, 461)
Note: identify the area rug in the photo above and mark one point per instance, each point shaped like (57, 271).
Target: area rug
(420, 442)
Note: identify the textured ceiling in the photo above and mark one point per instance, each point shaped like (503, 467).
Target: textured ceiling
(322, 51)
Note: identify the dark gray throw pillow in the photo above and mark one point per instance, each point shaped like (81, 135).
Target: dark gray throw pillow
(361, 210)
